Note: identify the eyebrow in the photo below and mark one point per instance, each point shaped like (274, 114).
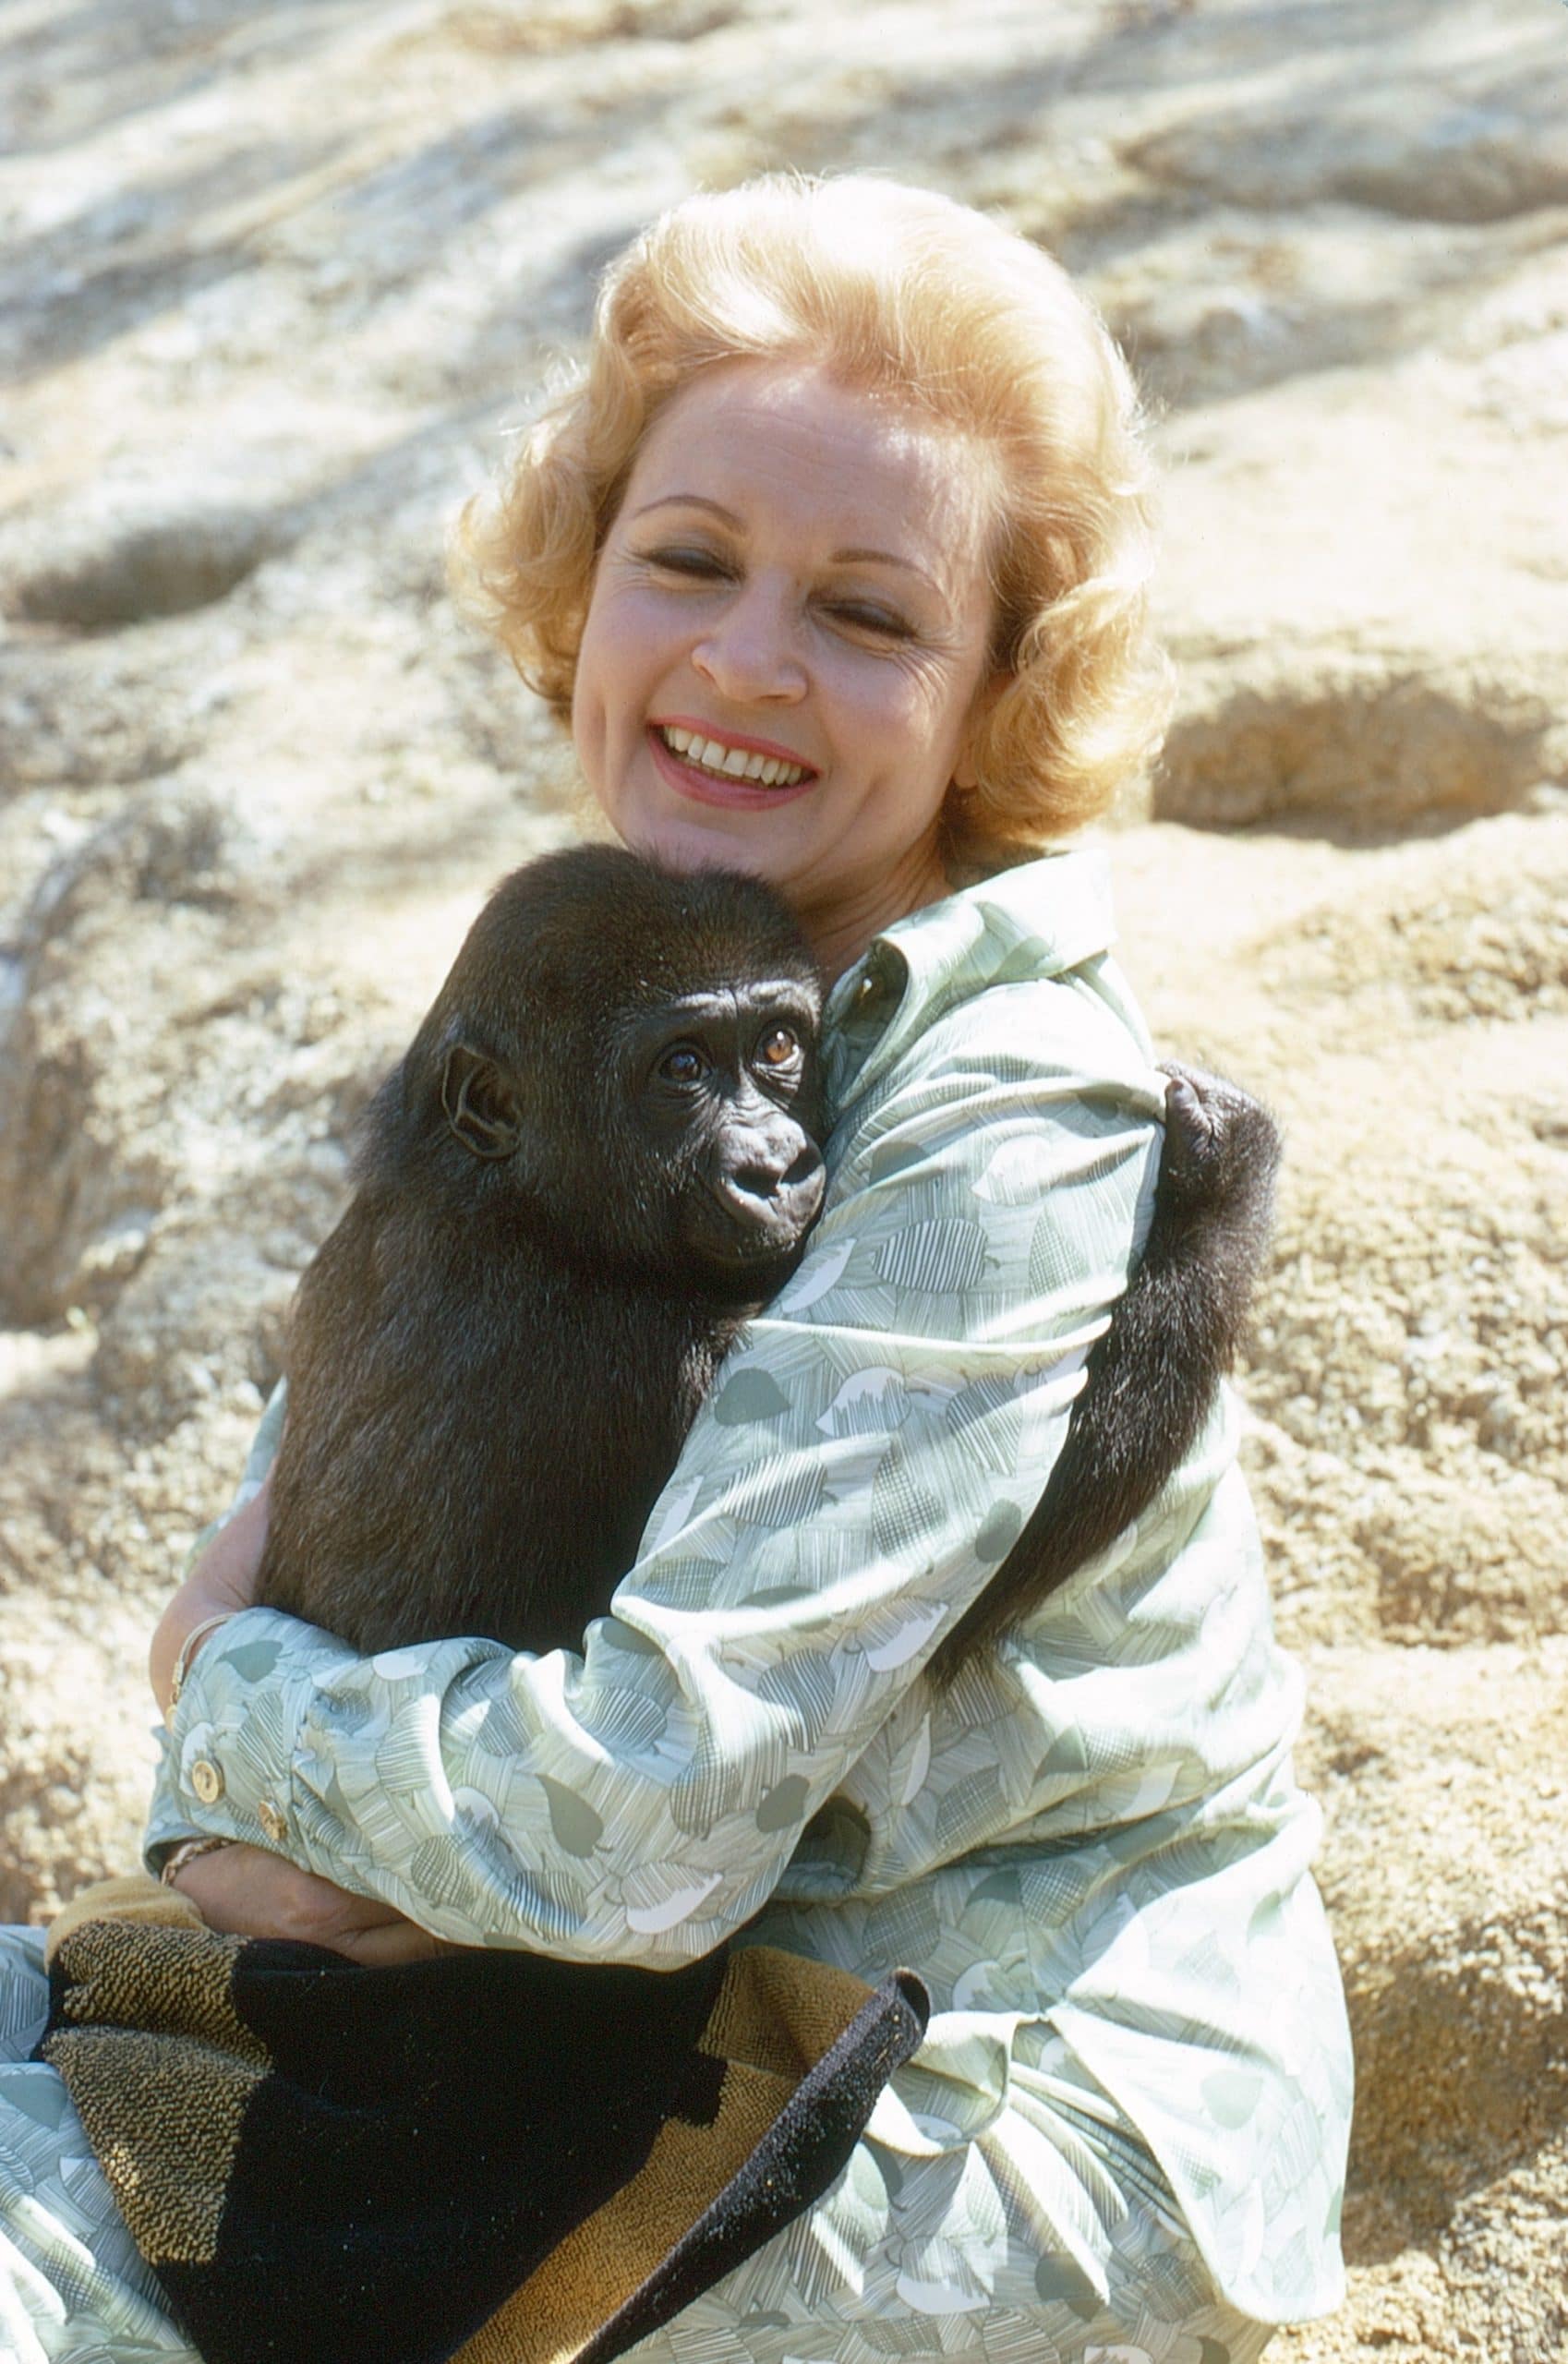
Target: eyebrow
(857, 556)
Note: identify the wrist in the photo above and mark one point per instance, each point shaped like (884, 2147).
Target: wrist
(182, 1629)
(200, 1633)
(220, 1582)
(187, 1852)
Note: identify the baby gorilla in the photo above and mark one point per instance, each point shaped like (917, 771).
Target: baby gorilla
(599, 1157)
(596, 1159)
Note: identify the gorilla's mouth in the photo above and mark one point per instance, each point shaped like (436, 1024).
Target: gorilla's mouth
(736, 1230)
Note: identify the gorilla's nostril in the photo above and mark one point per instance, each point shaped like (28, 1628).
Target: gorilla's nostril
(782, 1190)
(759, 1181)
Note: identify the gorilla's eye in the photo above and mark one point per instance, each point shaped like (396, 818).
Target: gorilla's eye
(777, 1050)
(682, 1065)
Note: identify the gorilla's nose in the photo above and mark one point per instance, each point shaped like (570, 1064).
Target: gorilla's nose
(775, 1193)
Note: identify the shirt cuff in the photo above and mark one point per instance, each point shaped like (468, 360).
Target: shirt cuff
(231, 1741)
(167, 1821)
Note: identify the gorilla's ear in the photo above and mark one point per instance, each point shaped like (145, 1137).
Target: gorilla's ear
(480, 1104)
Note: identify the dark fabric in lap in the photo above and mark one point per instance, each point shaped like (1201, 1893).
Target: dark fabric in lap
(490, 2154)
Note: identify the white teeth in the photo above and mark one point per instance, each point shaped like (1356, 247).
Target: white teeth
(731, 763)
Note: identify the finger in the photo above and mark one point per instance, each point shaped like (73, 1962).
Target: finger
(387, 1943)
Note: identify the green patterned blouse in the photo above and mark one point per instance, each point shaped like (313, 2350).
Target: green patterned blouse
(1093, 1831)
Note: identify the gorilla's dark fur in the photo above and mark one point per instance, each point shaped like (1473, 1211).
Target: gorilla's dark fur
(1151, 1380)
(598, 1156)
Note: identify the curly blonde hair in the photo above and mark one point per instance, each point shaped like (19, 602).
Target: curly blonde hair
(910, 296)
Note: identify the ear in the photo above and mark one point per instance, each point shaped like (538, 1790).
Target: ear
(994, 686)
(480, 1103)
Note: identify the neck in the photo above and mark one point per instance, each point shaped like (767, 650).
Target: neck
(839, 933)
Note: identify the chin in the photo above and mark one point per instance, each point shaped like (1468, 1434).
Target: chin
(682, 844)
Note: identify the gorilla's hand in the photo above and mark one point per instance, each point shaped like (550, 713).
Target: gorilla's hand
(1221, 1151)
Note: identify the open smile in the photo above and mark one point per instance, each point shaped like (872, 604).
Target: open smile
(725, 769)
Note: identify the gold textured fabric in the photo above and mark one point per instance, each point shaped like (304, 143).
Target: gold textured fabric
(336, 2164)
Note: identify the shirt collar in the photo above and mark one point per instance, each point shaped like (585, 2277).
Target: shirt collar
(1032, 921)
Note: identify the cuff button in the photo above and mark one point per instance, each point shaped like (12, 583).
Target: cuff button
(207, 1781)
(271, 1821)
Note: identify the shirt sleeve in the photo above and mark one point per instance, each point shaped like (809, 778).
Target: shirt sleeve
(868, 1453)
(168, 1816)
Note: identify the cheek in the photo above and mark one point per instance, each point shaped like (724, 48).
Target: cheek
(916, 736)
(585, 676)
(587, 728)
(886, 707)
(600, 693)
(622, 655)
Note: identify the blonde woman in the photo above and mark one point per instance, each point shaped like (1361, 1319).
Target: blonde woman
(835, 561)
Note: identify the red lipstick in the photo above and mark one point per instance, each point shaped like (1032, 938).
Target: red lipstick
(732, 739)
(706, 788)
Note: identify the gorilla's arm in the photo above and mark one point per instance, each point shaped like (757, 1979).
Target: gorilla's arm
(1153, 1376)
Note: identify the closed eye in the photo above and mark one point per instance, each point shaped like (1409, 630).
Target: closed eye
(881, 621)
(680, 561)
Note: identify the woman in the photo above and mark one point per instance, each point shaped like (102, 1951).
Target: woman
(837, 561)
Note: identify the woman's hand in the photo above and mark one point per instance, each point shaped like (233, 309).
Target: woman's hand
(247, 1892)
(221, 1580)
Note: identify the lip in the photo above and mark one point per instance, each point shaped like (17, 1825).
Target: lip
(732, 739)
(745, 795)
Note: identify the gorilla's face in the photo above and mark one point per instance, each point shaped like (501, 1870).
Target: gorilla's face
(721, 1088)
(627, 1060)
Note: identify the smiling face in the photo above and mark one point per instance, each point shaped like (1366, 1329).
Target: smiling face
(786, 649)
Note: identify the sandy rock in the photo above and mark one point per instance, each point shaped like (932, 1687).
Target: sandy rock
(1376, 740)
(74, 1095)
(1468, 137)
(1345, 667)
(1306, 253)
(74, 720)
(1453, 1933)
(70, 1785)
(105, 567)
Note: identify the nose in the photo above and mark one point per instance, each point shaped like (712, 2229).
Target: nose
(749, 654)
(772, 1178)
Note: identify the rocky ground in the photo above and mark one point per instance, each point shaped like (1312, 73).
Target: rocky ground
(272, 281)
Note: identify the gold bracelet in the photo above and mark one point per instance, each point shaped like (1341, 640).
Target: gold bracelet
(187, 1852)
(188, 1650)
